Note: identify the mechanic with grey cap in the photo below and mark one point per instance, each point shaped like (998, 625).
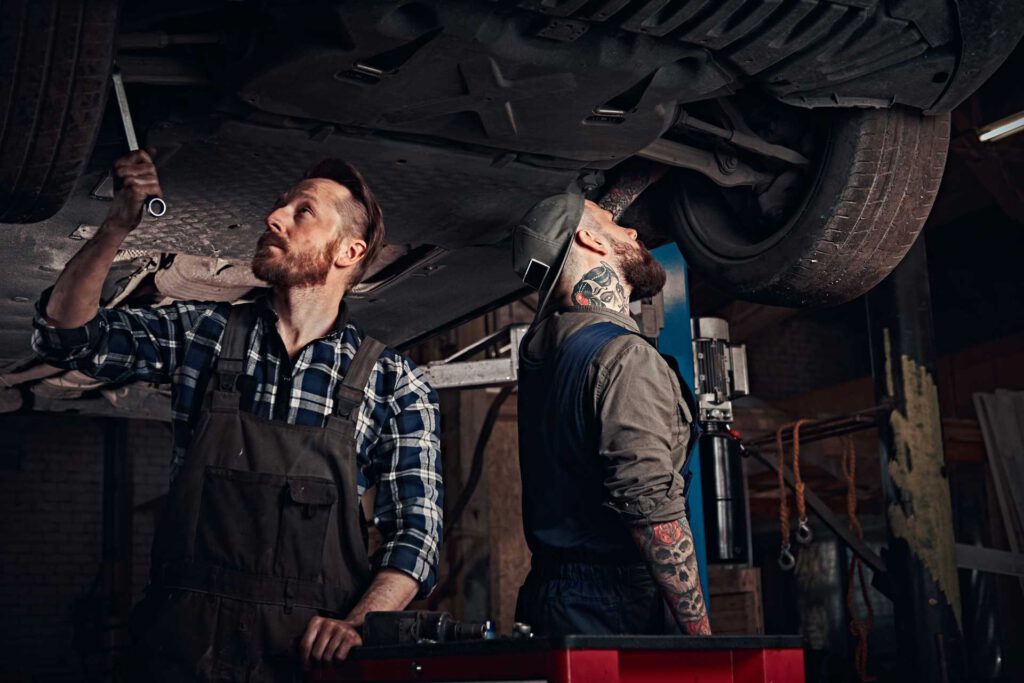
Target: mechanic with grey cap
(604, 431)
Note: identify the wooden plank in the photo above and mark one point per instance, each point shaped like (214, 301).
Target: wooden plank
(989, 560)
(734, 580)
(985, 406)
(735, 600)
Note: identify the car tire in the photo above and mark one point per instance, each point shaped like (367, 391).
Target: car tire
(877, 178)
(55, 62)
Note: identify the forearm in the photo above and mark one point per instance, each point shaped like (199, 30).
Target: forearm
(328, 639)
(669, 553)
(76, 296)
(390, 590)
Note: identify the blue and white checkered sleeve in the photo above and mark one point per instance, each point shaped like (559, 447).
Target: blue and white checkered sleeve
(407, 460)
(119, 344)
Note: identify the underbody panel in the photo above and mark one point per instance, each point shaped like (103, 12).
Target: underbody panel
(594, 81)
(462, 113)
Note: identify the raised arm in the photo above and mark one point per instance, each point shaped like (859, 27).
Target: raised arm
(76, 296)
(121, 344)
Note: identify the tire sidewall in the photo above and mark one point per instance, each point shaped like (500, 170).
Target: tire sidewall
(763, 276)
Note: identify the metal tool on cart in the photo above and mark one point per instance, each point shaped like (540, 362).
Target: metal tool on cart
(416, 626)
(155, 206)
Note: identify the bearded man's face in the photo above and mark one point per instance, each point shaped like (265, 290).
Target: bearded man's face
(302, 237)
(641, 271)
(285, 267)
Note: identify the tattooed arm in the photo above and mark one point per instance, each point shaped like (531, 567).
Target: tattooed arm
(635, 178)
(668, 550)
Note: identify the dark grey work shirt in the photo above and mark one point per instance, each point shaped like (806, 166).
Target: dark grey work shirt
(640, 411)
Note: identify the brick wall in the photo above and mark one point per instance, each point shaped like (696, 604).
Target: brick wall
(50, 522)
(51, 515)
(812, 350)
(150, 445)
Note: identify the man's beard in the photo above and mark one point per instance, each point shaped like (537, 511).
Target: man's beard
(288, 269)
(642, 273)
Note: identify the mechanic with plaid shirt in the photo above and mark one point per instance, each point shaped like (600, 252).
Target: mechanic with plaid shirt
(283, 416)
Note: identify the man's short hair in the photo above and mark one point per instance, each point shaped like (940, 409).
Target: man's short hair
(361, 212)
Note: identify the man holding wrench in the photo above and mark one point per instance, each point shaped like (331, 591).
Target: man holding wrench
(284, 414)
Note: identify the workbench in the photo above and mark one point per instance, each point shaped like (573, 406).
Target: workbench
(581, 659)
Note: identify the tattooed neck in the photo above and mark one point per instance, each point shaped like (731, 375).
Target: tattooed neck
(601, 287)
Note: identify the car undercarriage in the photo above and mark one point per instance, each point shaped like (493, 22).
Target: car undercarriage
(805, 139)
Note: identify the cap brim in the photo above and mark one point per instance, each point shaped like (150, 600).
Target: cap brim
(542, 302)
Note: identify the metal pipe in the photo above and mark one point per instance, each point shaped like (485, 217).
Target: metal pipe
(743, 140)
(824, 513)
(732, 173)
(160, 70)
(725, 502)
(828, 428)
(155, 40)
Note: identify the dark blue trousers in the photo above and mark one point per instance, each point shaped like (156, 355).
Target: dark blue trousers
(561, 598)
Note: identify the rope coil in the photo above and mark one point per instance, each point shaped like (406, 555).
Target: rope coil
(859, 627)
(803, 532)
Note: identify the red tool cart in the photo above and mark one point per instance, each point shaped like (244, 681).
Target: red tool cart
(582, 659)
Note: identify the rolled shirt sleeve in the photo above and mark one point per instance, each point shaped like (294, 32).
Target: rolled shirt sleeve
(121, 344)
(410, 493)
(399, 431)
(62, 347)
(644, 432)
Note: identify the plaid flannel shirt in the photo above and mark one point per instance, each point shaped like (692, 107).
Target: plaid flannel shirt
(397, 429)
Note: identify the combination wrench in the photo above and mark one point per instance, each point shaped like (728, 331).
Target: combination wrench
(154, 205)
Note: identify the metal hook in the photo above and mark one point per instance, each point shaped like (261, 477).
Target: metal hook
(786, 559)
(804, 536)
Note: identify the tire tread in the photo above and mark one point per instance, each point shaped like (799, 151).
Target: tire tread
(52, 99)
(882, 179)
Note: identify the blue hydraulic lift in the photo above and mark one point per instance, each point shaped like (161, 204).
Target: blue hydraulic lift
(676, 340)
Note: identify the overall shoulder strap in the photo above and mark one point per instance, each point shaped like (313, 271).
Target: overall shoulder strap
(690, 399)
(348, 396)
(599, 333)
(584, 344)
(230, 362)
(569, 371)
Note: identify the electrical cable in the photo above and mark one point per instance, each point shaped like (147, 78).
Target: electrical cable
(476, 470)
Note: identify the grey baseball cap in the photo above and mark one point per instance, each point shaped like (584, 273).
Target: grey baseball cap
(541, 241)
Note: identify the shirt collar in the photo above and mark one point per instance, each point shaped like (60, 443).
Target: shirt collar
(265, 305)
(615, 316)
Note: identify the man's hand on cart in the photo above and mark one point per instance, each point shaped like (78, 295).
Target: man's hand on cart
(328, 640)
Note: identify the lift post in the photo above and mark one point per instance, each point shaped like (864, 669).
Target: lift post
(921, 556)
(676, 340)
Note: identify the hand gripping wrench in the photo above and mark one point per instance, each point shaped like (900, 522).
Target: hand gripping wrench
(154, 205)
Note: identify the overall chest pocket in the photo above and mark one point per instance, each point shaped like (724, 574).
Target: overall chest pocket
(264, 523)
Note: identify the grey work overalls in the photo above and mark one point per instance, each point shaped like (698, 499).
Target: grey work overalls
(262, 531)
